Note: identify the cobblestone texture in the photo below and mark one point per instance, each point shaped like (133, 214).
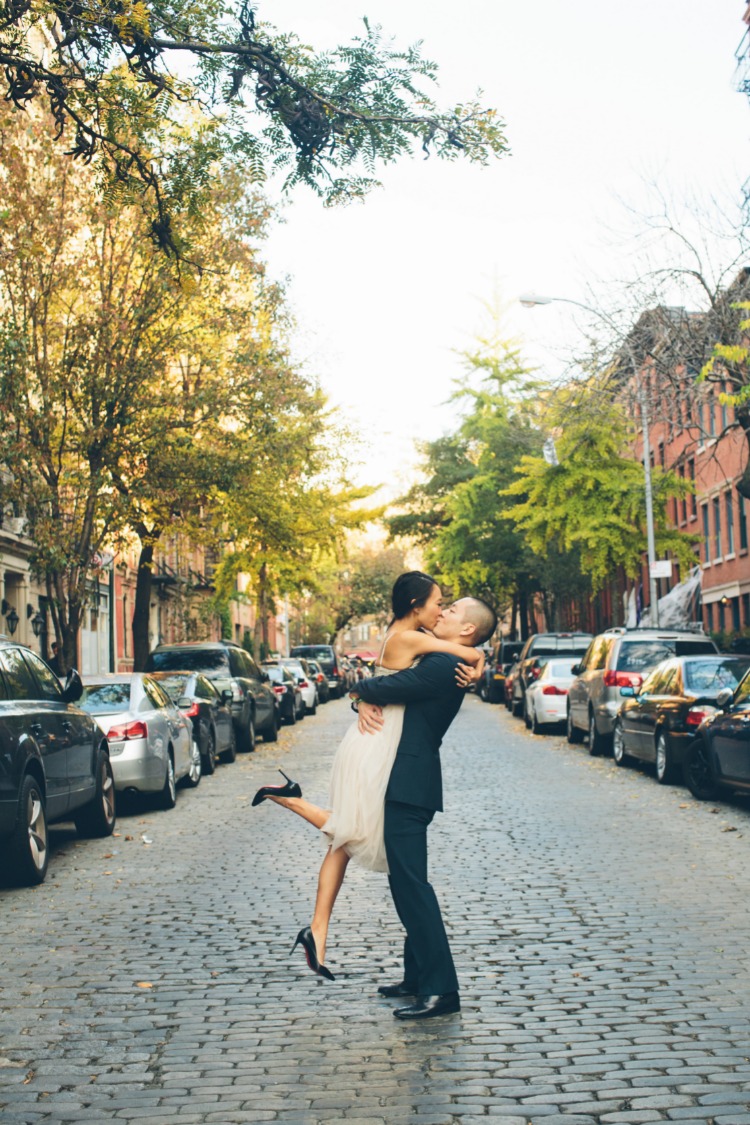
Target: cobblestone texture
(599, 924)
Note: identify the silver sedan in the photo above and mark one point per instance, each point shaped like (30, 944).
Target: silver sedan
(151, 744)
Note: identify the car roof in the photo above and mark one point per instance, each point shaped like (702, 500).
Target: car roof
(197, 644)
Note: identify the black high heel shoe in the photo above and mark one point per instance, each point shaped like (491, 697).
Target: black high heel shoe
(307, 941)
(291, 789)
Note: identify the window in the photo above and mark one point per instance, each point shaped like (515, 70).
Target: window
(724, 417)
(693, 499)
(46, 678)
(746, 609)
(743, 525)
(711, 417)
(706, 535)
(735, 613)
(106, 699)
(709, 617)
(717, 527)
(683, 502)
(720, 613)
(729, 509)
(21, 683)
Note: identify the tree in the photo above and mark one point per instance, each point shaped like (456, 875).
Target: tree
(355, 586)
(120, 82)
(592, 502)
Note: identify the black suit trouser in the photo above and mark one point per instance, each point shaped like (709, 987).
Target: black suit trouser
(428, 964)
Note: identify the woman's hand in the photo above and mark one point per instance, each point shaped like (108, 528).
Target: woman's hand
(466, 676)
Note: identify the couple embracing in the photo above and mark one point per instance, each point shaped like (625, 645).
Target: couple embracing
(386, 783)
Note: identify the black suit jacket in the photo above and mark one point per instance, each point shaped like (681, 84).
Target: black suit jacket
(432, 699)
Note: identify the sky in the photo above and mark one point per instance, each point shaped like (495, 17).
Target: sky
(599, 101)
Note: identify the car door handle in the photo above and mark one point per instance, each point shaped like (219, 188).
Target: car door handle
(36, 728)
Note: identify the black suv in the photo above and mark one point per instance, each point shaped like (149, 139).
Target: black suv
(492, 685)
(536, 650)
(228, 666)
(329, 662)
(54, 763)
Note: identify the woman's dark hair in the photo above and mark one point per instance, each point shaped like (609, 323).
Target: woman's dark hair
(410, 591)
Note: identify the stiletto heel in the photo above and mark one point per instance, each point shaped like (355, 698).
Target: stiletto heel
(307, 941)
(291, 789)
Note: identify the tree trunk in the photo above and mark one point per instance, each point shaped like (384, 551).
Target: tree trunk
(523, 610)
(513, 615)
(142, 610)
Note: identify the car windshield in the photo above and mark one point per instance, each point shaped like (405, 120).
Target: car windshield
(189, 659)
(709, 677)
(174, 686)
(315, 652)
(103, 699)
(275, 674)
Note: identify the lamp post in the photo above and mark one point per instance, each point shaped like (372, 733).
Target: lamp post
(530, 301)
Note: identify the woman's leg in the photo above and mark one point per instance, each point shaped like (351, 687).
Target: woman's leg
(331, 877)
(313, 814)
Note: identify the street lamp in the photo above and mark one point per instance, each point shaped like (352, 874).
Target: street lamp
(530, 301)
(12, 620)
(38, 623)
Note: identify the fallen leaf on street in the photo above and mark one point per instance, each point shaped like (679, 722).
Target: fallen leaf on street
(729, 828)
(143, 984)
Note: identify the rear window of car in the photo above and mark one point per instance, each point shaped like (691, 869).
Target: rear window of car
(551, 646)
(275, 674)
(315, 652)
(103, 699)
(559, 669)
(189, 660)
(174, 686)
(637, 656)
(712, 676)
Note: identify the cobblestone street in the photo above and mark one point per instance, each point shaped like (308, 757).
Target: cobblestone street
(599, 924)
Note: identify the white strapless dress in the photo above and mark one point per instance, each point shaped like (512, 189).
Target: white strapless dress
(359, 779)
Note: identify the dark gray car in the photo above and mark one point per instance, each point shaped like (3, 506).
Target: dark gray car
(228, 666)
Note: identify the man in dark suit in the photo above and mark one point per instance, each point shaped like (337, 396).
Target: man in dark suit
(432, 694)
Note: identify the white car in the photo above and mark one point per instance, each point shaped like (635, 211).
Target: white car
(304, 677)
(547, 696)
(151, 744)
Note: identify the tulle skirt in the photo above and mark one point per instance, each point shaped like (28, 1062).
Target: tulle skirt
(359, 779)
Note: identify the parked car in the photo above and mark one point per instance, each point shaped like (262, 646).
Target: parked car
(151, 743)
(499, 662)
(321, 680)
(227, 665)
(546, 696)
(532, 656)
(300, 669)
(718, 758)
(615, 659)
(327, 658)
(54, 763)
(209, 711)
(657, 721)
(288, 692)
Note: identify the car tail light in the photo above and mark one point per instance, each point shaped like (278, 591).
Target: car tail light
(280, 689)
(127, 731)
(320, 677)
(534, 672)
(696, 715)
(303, 683)
(236, 691)
(193, 711)
(622, 679)
(553, 689)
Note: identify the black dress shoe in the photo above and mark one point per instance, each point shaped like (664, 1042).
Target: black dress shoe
(428, 1006)
(397, 990)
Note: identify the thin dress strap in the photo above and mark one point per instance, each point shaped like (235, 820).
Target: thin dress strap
(382, 651)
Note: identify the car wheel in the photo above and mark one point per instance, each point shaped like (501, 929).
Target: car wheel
(618, 745)
(526, 713)
(664, 764)
(194, 774)
(572, 732)
(272, 734)
(208, 757)
(230, 754)
(291, 718)
(168, 794)
(98, 817)
(698, 772)
(536, 726)
(516, 707)
(246, 736)
(596, 741)
(312, 710)
(28, 852)
(508, 703)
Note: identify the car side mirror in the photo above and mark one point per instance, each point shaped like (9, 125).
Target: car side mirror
(73, 689)
(577, 669)
(627, 692)
(226, 696)
(184, 702)
(724, 698)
